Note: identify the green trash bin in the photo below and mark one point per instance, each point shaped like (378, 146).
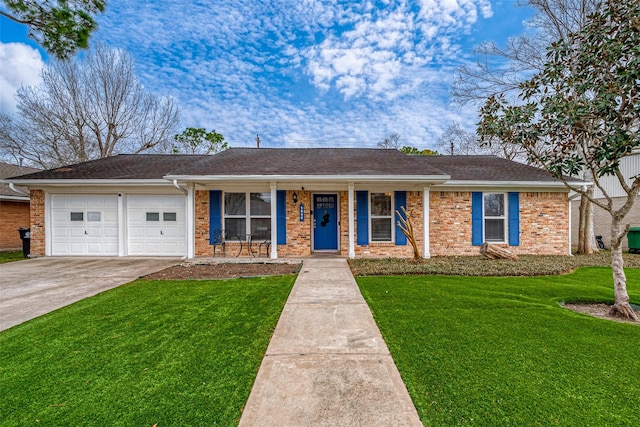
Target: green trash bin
(634, 240)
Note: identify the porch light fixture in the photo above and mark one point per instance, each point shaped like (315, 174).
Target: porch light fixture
(295, 197)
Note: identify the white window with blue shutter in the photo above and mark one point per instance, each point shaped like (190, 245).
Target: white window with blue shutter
(495, 218)
(376, 220)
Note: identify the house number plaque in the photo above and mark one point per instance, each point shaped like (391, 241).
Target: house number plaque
(301, 212)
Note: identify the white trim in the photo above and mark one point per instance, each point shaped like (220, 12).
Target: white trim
(190, 222)
(311, 178)
(426, 206)
(570, 228)
(505, 219)
(392, 217)
(7, 198)
(86, 182)
(48, 223)
(274, 220)
(352, 250)
(122, 226)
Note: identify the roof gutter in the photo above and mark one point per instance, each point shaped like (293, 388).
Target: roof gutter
(434, 179)
(558, 184)
(13, 188)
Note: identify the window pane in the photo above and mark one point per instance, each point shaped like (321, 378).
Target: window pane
(381, 229)
(234, 204)
(153, 216)
(77, 216)
(380, 204)
(494, 230)
(93, 216)
(260, 203)
(169, 216)
(494, 204)
(260, 228)
(235, 227)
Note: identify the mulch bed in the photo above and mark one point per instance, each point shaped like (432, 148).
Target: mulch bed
(599, 310)
(223, 270)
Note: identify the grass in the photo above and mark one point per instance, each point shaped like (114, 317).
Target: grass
(528, 265)
(501, 351)
(150, 352)
(10, 256)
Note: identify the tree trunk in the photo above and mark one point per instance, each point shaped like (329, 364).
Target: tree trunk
(586, 236)
(621, 306)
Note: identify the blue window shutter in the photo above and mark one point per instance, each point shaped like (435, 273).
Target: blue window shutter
(281, 213)
(362, 217)
(401, 200)
(215, 220)
(476, 218)
(514, 219)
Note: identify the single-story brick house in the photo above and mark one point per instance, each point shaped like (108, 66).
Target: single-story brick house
(14, 207)
(333, 200)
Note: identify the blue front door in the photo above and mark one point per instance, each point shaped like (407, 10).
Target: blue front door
(325, 222)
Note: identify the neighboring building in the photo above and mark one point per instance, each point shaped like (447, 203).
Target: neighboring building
(14, 207)
(306, 201)
(629, 167)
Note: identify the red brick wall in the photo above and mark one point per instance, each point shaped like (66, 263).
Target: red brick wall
(37, 223)
(298, 232)
(544, 224)
(13, 215)
(201, 211)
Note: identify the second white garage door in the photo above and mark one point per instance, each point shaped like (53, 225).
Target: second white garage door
(156, 225)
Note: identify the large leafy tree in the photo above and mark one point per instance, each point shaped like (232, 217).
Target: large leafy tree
(61, 27)
(84, 110)
(198, 141)
(501, 69)
(582, 112)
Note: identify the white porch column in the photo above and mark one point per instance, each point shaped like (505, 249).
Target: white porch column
(426, 251)
(274, 221)
(570, 229)
(191, 227)
(352, 249)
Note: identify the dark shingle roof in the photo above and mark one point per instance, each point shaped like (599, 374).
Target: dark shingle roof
(309, 161)
(8, 170)
(487, 168)
(298, 162)
(123, 166)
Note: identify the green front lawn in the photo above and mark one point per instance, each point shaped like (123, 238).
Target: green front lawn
(171, 353)
(501, 351)
(10, 256)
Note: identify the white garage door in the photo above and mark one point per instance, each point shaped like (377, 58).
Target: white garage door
(156, 225)
(84, 224)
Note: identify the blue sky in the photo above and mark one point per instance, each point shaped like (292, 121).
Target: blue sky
(307, 73)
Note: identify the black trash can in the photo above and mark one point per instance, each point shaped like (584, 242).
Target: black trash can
(25, 235)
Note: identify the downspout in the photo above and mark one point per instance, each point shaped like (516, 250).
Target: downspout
(175, 184)
(13, 188)
(186, 193)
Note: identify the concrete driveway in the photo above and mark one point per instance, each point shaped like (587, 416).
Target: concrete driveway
(33, 287)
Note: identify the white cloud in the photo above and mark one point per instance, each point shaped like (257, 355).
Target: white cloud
(310, 72)
(21, 66)
(368, 60)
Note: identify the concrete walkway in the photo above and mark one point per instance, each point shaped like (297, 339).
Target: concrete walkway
(327, 364)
